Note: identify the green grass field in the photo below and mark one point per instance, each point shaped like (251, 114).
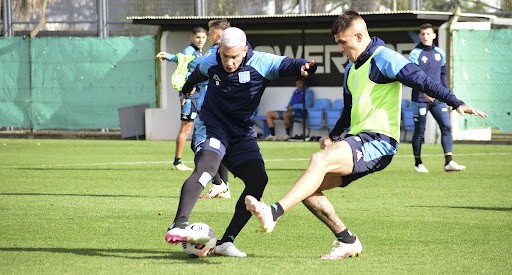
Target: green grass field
(86, 206)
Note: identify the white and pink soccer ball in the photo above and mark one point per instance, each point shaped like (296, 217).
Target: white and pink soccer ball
(198, 250)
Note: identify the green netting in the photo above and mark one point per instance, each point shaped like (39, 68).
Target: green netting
(76, 83)
(482, 71)
(14, 82)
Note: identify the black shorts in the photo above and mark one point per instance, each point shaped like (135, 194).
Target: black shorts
(189, 110)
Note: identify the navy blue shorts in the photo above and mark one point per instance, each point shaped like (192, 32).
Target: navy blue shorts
(296, 114)
(372, 152)
(238, 150)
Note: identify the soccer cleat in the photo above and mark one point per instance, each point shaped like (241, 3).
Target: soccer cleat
(453, 166)
(228, 249)
(421, 168)
(262, 212)
(286, 137)
(270, 138)
(181, 167)
(343, 250)
(178, 235)
(220, 191)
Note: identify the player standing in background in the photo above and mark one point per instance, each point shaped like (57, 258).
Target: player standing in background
(372, 98)
(432, 60)
(237, 78)
(220, 185)
(188, 103)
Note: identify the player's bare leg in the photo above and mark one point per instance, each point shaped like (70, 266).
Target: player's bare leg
(336, 159)
(346, 245)
(181, 140)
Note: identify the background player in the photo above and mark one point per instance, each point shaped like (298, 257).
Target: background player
(432, 60)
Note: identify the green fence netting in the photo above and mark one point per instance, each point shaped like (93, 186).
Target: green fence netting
(14, 82)
(482, 71)
(74, 83)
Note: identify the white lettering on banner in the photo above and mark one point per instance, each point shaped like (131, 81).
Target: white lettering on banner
(323, 53)
(317, 52)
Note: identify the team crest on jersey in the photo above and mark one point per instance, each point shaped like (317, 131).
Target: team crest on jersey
(217, 79)
(244, 77)
(437, 57)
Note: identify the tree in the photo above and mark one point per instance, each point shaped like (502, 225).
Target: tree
(28, 8)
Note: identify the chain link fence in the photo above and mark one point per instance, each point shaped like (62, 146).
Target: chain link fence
(481, 76)
(108, 17)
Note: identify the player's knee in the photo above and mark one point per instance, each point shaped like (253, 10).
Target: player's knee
(207, 161)
(203, 177)
(318, 159)
(446, 130)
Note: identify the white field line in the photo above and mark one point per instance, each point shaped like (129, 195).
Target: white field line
(266, 160)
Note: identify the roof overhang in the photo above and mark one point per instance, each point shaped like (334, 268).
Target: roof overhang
(306, 21)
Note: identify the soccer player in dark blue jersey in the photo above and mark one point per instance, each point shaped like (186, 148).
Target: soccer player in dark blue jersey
(237, 77)
(432, 60)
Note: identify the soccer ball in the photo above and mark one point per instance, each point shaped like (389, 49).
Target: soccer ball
(199, 250)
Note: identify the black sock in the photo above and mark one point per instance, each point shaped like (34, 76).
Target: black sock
(177, 161)
(447, 159)
(417, 161)
(345, 236)
(277, 211)
(272, 131)
(288, 131)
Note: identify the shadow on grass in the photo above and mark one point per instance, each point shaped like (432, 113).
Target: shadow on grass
(484, 208)
(72, 169)
(302, 169)
(86, 195)
(136, 254)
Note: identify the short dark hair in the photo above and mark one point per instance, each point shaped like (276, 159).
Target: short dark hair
(219, 24)
(426, 26)
(344, 21)
(198, 29)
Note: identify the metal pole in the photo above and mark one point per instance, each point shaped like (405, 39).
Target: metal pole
(304, 110)
(302, 6)
(6, 4)
(412, 4)
(105, 18)
(102, 18)
(199, 8)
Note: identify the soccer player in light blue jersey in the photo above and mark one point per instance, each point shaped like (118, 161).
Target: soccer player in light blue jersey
(188, 103)
(371, 114)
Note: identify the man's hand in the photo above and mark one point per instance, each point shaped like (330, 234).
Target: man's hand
(188, 93)
(468, 110)
(325, 142)
(161, 56)
(308, 68)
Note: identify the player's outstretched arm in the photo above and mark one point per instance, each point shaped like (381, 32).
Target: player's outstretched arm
(308, 68)
(462, 109)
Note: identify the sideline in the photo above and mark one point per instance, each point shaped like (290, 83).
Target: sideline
(191, 162)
